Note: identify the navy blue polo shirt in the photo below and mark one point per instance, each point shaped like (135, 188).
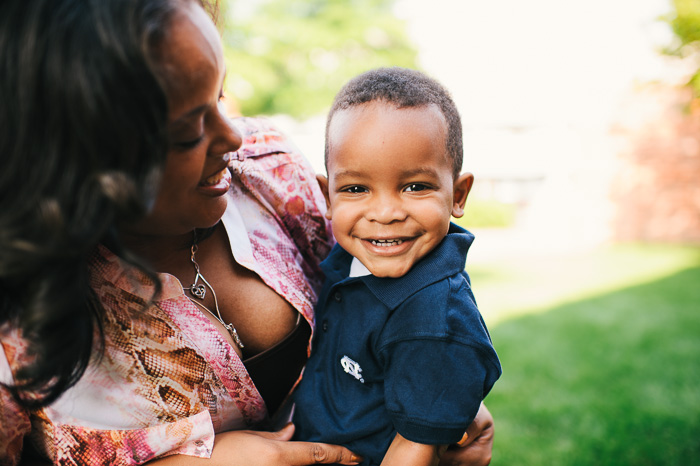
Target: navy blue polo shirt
(409, 354)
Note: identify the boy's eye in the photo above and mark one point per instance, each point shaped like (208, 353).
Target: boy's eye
(414, 187)
(354, 190)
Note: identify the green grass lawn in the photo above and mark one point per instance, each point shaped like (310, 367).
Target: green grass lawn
(601, 357)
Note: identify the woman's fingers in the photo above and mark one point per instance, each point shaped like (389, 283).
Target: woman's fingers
(477, 453)
(482, 426)
(304, 453)
(476, 448)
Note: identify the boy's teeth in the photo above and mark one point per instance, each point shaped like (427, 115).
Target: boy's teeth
(386, 242)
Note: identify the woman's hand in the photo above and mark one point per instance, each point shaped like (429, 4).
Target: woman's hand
(274, 448)
(476, 449)
(250, 448)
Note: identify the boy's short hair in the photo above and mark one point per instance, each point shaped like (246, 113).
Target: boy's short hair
(405, 88)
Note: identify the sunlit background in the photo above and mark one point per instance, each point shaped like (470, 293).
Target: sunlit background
(584, 137)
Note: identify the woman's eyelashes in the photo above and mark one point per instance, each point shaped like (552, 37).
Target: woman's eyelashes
(188, 144)
(198, 123)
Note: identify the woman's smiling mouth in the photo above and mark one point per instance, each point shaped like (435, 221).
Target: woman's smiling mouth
(215, 178)
(216, 184)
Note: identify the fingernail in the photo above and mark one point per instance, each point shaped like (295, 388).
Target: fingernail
(356, 459)
(463, 440)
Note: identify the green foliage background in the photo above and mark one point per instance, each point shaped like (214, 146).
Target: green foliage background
(292, 56)
(482, 213)
(685, 23)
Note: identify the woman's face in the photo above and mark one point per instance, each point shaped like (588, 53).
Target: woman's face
(195, 178)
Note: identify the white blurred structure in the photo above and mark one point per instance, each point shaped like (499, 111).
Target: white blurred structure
(539, 84)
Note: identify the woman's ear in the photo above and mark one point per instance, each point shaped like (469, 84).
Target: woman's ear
(462, 186)
(323, 183)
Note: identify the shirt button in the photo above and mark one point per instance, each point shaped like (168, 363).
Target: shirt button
(324, 326)
(338, 298)
(199, 443)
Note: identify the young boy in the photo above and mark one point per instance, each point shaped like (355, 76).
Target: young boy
(401, 359)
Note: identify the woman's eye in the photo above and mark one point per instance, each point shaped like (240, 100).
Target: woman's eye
(355, 190)
(414, 187)
(191, 144)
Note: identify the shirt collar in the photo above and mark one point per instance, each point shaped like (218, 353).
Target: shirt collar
(447, 259)
(358, 269)
(108, 267)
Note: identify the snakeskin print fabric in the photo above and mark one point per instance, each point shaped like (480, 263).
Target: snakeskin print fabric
(167, 381)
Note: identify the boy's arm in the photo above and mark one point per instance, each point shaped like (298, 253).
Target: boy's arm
(403, 452)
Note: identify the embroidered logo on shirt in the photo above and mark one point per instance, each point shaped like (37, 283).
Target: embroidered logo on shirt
(352, 368)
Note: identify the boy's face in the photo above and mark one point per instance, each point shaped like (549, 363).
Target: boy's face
(390, 190)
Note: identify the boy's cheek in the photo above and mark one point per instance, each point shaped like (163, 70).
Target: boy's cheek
(340, 212)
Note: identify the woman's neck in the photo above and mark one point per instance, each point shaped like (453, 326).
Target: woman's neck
(161, 251)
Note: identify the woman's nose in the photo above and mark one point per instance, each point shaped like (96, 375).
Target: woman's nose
(226, 138)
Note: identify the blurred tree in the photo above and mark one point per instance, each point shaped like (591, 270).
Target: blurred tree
(292, 56)
(685, 22)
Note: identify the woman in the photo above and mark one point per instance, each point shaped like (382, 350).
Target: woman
(120, 162)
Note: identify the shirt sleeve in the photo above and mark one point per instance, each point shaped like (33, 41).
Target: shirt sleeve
(439, 364)
(191, 436)
(433, 389)
(14, 420)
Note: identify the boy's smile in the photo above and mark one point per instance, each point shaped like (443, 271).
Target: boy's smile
(391, 190)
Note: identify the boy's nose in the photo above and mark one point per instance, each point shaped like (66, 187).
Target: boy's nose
(386, 209)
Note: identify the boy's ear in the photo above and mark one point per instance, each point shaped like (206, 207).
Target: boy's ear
(323, 183)
(462, 186)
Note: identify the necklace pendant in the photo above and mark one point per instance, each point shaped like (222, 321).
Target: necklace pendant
(198, 290)
(234, 334)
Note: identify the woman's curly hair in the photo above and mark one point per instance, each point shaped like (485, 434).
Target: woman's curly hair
(82, 141)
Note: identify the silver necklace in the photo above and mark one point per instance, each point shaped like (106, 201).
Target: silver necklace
(199, 291)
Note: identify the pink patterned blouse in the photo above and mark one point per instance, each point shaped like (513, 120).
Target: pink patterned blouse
(168, 381)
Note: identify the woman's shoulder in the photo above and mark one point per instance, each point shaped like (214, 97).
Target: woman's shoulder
(14, 420)
(260, 137)
(276, 193)
(275, 172)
